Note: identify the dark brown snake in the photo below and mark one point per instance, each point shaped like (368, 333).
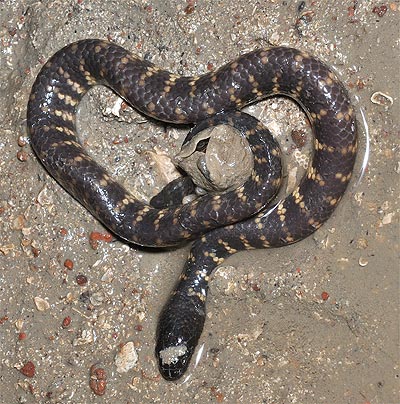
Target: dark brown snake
(72, 71)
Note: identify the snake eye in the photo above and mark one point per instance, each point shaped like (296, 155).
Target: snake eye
(202, 145)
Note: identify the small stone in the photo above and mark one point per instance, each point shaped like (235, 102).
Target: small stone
(387, 219)
(41, 304)
(7, 249)
(126, 358)
(85, 337)
(45, 197)
(22, 155)
(97, 298)
(66, 322)
(362, 243)
(69, 264)
(98, 380)
(81, 280)
(18, 222)
(19, 324)
(28, 369)
(108, 276)
(22, 141)
(324, 296)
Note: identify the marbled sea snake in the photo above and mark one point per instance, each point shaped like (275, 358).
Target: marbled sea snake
(221, 225)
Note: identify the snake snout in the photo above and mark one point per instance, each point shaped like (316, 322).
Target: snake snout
(174, 368)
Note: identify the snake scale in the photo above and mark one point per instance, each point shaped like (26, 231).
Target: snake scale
(220, 224)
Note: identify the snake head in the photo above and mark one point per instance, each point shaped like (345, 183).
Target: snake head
(179, 328)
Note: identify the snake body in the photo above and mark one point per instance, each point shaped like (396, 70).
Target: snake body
(72, 71)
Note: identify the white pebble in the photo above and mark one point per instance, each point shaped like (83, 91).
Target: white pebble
(126, 358)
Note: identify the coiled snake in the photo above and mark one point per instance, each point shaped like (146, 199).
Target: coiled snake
(52, 107)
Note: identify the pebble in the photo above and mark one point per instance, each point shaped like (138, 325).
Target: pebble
(126, 358)
(66, 322)
(41, 304)
(324, 296)
(98, 380)
(28, 369)
(387, 219)
(81, 280)
(85, 338)
(69, 264)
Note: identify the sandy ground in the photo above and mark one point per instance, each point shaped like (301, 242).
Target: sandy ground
(316, 322)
